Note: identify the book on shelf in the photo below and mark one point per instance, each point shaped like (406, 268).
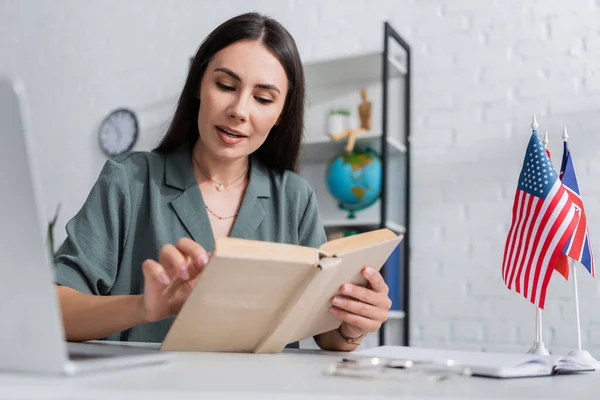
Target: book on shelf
(257, 297)
(340, 233)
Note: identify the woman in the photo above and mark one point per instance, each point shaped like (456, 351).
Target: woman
(224, 168)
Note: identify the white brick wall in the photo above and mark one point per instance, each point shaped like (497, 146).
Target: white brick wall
(481, 68)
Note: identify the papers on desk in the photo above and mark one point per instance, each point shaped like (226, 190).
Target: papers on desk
(496, 365)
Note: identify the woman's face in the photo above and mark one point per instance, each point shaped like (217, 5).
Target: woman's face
(242, 95)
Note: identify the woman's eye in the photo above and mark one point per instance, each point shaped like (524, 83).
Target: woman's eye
(225, 87)
(262, 100)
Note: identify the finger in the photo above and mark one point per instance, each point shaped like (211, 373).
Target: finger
(192, 282)
(174, 287)
(195, 252)
(154, 272)
(360, 308)
(174, 262)
(376, 281)
(366, 295)
(178, 283)
(364, 324)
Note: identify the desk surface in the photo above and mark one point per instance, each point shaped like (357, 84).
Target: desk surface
(294, 374)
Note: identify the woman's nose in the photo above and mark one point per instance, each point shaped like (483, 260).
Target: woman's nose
(239, 109)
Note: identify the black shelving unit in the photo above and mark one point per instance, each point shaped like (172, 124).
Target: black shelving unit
(390, 34)
(333, 83)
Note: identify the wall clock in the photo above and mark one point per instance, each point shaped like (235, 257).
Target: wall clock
(118, 132)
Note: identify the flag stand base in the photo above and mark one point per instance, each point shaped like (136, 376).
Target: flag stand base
(586, 357)
(538, 349)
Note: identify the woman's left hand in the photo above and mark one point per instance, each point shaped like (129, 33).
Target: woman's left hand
(363, 310)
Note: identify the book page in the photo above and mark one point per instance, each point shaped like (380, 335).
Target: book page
(243, 248)
(354, 242)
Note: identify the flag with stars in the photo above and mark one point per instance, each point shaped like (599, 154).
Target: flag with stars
(578, 247)
(543, 220)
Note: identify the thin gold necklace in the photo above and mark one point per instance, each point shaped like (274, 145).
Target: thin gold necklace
(218, 216)
(220, 186)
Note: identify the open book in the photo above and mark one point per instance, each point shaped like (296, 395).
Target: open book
(488, 364)
(256, 296)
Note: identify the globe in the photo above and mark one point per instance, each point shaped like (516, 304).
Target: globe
(354, 180)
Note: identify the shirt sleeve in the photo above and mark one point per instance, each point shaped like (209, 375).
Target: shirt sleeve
(88, 259)
(311, 231)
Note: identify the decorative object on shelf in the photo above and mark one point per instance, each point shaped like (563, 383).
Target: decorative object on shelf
(364, 113)
(354, 180)
(118, 132)
(338, 120)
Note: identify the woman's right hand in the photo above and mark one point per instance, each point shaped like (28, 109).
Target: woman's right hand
(168, 283)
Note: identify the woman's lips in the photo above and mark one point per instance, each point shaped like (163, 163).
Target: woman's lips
(228, 139)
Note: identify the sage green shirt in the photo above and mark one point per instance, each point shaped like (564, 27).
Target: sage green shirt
(144, 200)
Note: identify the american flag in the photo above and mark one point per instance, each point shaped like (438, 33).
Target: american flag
(543, 220)
(578, 247)
(562, 265)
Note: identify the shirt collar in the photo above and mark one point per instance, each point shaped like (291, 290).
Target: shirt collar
(180, 174)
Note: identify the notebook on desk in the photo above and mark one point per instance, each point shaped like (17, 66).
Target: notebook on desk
(486, 364)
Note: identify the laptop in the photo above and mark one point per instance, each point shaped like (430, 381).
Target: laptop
(32, 336)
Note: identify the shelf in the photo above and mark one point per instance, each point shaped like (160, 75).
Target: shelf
(358, 223)
(352, 70)
(340, 82)
(324, 149)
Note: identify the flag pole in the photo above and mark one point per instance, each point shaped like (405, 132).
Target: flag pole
(565, 137)
(579, 352)
(577, 319)
(538, 347)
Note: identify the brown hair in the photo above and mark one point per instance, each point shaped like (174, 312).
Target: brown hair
(281, 149)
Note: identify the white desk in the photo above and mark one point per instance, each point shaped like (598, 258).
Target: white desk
(294, 374)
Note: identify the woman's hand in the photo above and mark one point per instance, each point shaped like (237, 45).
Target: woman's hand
(169, 282)
(363, 310)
